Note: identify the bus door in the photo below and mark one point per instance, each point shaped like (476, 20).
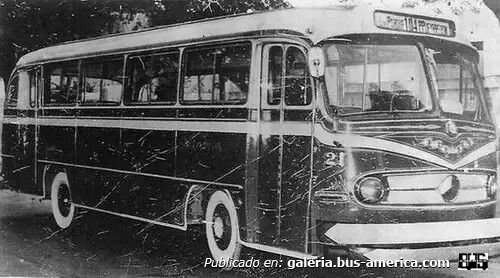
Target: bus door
(285, 147)
(25, 169)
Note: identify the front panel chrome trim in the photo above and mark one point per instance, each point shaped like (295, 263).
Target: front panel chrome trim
(438, 253)
(413, 233)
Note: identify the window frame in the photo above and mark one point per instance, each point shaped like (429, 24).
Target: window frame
(99, 60)
(195, 48)
(307, 76)
(269, 89)
(150, 53)
(8, 103)
(37, 74)
(285, 46)
(465, 67)
(46, 78)
(419, 53)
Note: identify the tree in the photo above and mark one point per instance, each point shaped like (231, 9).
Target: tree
(174, 11)
(27, 26)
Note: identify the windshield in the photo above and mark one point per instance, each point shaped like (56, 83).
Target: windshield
(376, 78)
(369, 78)
(456, 83)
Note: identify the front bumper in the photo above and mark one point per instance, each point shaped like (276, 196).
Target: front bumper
(419, 241)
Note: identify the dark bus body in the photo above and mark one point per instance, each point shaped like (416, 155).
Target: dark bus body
(230, 127)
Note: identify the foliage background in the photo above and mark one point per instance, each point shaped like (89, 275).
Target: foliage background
(27, 25)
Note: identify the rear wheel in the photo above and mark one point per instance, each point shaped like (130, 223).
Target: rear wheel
(222, 228)
(63, 208)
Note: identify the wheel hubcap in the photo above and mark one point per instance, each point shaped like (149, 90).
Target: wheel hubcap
(64, 200)
(218, 227)
(222, 227)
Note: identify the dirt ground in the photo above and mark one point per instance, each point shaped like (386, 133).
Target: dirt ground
(98, 245)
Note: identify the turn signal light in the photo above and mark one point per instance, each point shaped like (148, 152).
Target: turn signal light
(491, 187)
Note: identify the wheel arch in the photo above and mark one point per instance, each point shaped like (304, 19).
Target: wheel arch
(197, 200)
(49, 172)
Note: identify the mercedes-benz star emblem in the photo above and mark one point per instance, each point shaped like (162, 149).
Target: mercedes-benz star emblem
(448, 188)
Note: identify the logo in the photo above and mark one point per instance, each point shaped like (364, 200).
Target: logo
(448, 149)
(451, 128)
(449, 188)
(473, 261)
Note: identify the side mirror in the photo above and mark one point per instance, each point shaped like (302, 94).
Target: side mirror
(316, 62)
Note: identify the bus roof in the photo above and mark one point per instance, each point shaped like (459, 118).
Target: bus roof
(311, 23)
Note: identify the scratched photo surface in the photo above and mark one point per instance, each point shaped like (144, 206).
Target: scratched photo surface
(256, 138)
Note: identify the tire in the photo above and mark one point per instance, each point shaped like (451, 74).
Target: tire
(63, 208)
(222, 230)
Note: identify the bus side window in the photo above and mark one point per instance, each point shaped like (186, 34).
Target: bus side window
(275, 75)
(199, 80)
(61, 85)
(216, 75)
(13, 91)
(297, 88)
(165, 75)
(138, 78)
(102, 81)
(152, 78)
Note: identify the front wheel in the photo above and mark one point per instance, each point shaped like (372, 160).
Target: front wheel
(222, 227)
(63, 208)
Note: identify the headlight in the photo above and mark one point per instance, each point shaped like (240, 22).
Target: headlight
(370, 190)
(491, 187)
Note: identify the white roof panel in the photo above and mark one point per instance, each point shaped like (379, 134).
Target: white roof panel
(315, 24)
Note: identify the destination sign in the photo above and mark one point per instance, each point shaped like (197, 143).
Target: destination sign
(414, 24)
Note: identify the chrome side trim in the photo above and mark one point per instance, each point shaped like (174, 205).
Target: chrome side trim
(180, 227)
(186, 204)
(490, 126)
(236, 186)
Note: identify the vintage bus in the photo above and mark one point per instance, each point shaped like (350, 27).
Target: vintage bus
(286, 131)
